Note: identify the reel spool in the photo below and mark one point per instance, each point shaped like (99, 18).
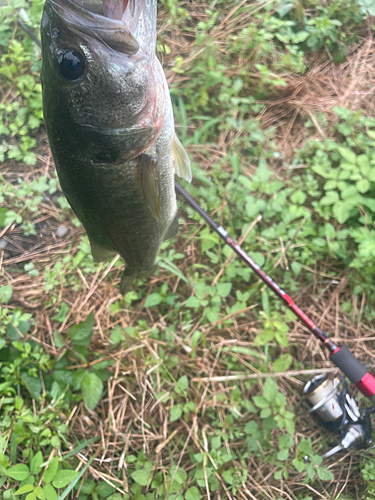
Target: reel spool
(334, 407)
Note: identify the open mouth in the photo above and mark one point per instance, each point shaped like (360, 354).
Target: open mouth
(113, 22)
(113, 9)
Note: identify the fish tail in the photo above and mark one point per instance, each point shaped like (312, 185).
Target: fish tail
(126, 282)
(130, 275)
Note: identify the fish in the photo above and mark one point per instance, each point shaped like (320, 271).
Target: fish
(110, 127)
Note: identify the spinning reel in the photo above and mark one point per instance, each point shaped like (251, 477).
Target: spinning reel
(334, 407)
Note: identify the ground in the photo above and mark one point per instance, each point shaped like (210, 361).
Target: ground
(190, 386)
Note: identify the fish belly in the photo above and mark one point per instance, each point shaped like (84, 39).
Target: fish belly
(109, 201)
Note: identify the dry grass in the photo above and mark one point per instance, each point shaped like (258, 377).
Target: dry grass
(313, 96)
(130, 419)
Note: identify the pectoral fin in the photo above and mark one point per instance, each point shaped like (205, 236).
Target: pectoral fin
(181, 160)
(150, 183)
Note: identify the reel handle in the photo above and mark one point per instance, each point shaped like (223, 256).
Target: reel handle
(356, 372)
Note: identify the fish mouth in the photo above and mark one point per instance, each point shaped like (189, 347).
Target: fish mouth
(113, 9)
(113, 22)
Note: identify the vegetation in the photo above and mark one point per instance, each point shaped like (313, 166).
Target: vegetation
(189, 387)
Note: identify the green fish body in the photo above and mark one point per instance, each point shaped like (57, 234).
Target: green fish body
(110, 126)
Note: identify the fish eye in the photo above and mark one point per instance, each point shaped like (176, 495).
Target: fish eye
(72, 64)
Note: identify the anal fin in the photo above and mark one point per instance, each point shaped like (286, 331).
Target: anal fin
(181, 160)
(150, 183)
(172, 230)
(100, 253)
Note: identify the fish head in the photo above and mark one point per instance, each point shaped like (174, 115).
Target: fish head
(98, 69)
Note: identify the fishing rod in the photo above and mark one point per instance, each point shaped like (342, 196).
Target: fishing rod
(329, 400)
(356, 372)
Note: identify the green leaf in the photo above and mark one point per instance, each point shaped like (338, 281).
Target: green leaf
(349, 192)
(266, 302)
(260, 402)
(104, 489)
(9, 495)
(329, 231)
(262, 173)
(228, 476)
(3, 216)
(367, 249)
(327, 173)
(64, 477)
(55, 442)
(194, 339)
(251, 427)
(172, 268)
(258, 258)
(330, 198)
(282, 363)
(299, 197)
(92, 389)
(154, 299)
(296, 267)
(14, 334)
(40, 493)
(362, 185)
(341, 211)
(25, 489)
(141, 476)
(270, 390)
(5, 294)
(347, 154)
(82, 332)
(176, 412)
(265, 413)
(223, 289)
(179, 475)
(75, 480)
(18, 472)
(50, 492)
(193, 494)
(36, 463)
(364, 165)
(61, 315)
(298, 464)
(33, 385)
(325, 474)
(331, 184)
(182, 384)
(51, 470)
(117, 335)
(192, 302)
(283, 454)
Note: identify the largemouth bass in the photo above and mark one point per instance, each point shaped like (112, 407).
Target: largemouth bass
(110, 126)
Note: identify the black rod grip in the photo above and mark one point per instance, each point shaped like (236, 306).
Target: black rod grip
(349, 364)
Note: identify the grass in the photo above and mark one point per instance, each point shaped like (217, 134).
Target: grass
(190, 386)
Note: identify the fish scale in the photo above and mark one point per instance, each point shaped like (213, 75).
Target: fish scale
(110, 126)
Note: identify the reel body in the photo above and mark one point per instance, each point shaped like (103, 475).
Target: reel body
(334, 407)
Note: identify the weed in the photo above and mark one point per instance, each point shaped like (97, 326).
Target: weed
(152, 373)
